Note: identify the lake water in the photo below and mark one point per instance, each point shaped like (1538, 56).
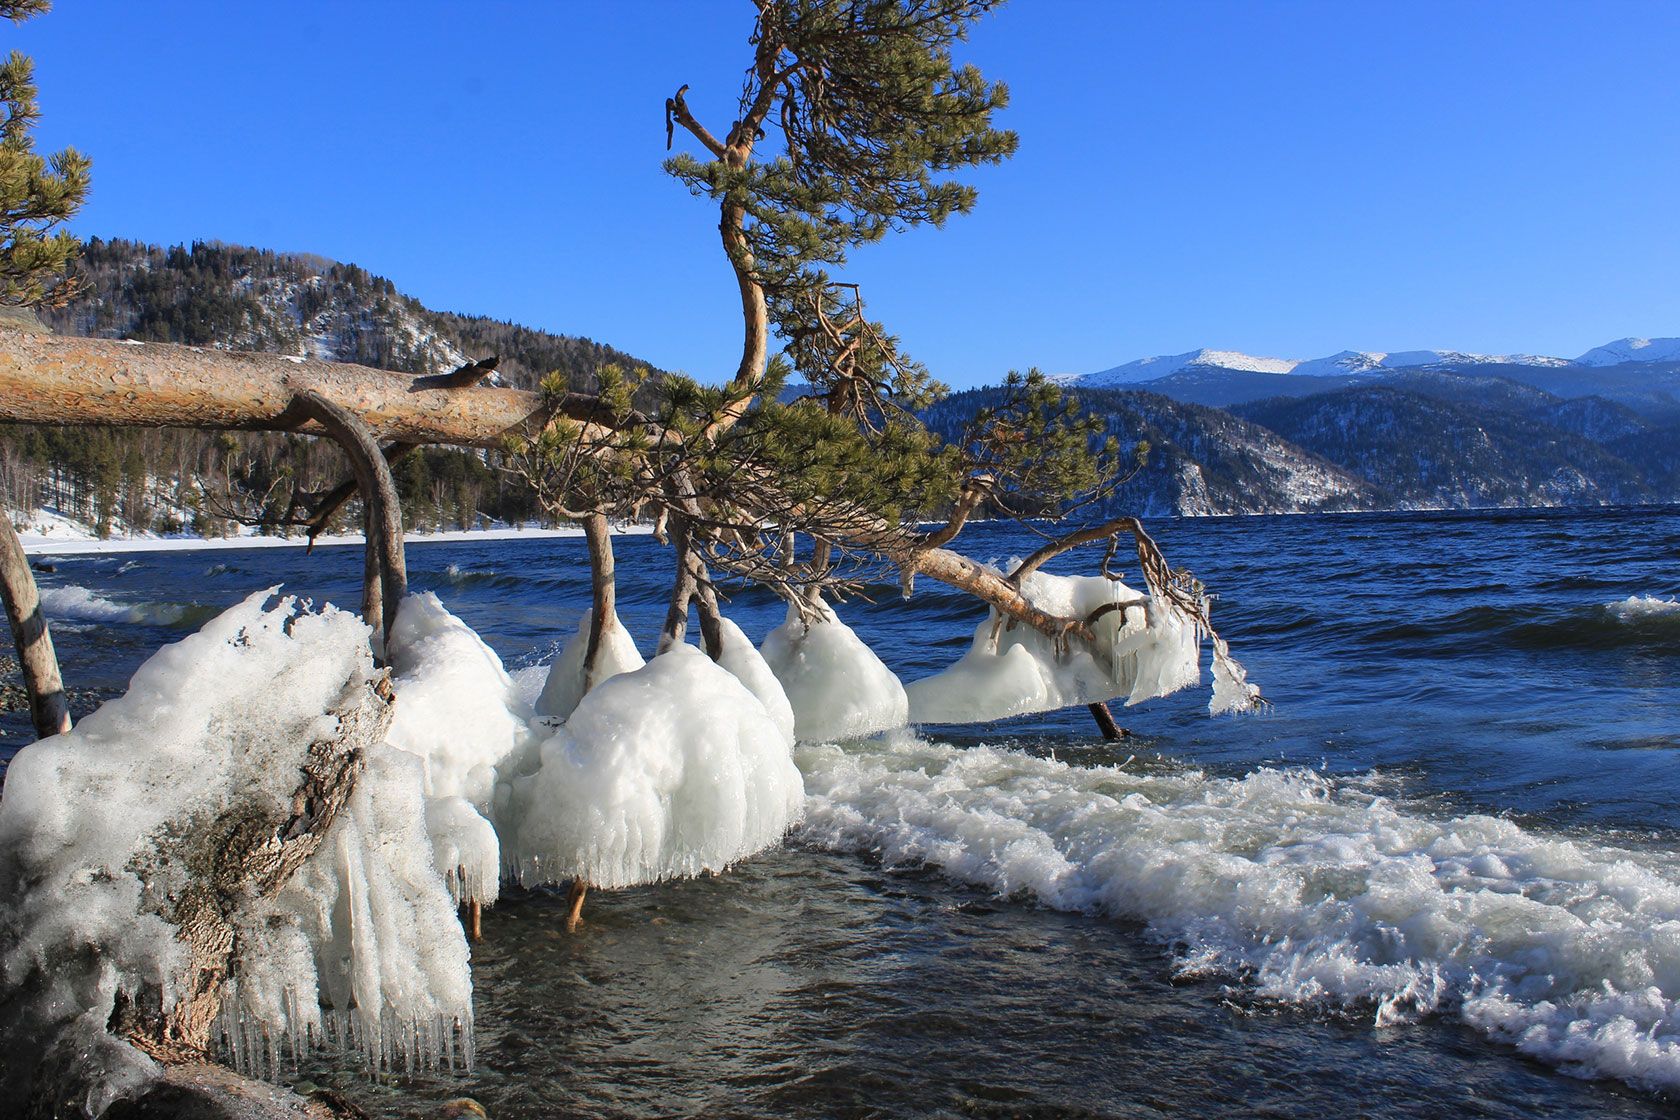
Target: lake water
(1438, 879)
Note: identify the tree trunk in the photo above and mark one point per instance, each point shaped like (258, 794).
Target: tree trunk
(706, 606)
(379, 498)
(603, 610)
(247, 853)
(682, 587)
(47, 379)
(49, 708)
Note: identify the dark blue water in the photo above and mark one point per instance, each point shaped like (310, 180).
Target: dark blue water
(1520, 665)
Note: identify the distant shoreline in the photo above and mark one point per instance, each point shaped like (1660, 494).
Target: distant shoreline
(35, 544)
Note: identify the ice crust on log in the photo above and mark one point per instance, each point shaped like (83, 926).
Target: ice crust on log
(95, 827)
(837, 687)
(1139, 653)
(662, 772)
(458, 711)
(564, 686)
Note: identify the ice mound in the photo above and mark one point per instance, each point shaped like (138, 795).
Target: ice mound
(96, 827)
(1142, 652)
(458, 711)
(456, 708)
(1309, 891)
(837, 687)
(564, 686)
(750, 668)
(661, 772)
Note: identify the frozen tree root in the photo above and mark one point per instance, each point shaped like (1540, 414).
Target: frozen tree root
(243, 855)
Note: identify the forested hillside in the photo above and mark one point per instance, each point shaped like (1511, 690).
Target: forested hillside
(1422, 439)
(237, 298)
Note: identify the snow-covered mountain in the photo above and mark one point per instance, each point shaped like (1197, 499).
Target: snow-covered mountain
(1629, 370)
(1625, 350)
(1352, 362)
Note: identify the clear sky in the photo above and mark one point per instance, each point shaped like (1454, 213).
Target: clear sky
(1286, 179)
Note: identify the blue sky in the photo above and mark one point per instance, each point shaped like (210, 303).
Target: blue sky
(1287, 179)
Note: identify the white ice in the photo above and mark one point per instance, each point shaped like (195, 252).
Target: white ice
(564, 686)
(837, 687)
(221, 722)
(1142, 652)
(664, 771)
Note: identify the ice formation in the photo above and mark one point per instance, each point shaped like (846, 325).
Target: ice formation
(1311, 891)
(836, 685)
(458, 712)
(1141, 651)
(94, 824)
(750, 668)
(564, 686)
(664, 771)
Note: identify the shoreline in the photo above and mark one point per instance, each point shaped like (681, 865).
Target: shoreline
(36, 544)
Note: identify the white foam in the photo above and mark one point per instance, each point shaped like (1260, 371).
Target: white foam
(837, 687)
(71, 601)
(1310, 891)
(1643, 606)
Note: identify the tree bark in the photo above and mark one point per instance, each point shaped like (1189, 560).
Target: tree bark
(48, 379)
(682, 587)
(706, 606)
(603, 609)
(379, 498)
(49, 707)
(246, 853)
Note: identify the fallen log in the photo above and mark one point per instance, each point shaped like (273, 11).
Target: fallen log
(48, 379)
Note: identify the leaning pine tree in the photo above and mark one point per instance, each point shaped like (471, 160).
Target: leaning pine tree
(851, 123)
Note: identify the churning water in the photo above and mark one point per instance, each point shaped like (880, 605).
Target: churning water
(1438, 879)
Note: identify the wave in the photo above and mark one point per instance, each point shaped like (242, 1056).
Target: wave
(72, 602)
(1637, 608)
(1306, 890)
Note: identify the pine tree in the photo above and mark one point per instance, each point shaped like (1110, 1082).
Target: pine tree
(37, 193)
(870, 115)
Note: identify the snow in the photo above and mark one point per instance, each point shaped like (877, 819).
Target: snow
(668, 770)
(1341, 364)
(837, 687)
(1632, 350)
(563, 687)
(749, 667)
(1140, 652)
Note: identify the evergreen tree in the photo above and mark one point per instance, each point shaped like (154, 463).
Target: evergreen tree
(37, 193)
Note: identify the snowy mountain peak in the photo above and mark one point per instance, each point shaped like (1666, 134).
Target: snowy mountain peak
(1356, 362)
(1632, 350)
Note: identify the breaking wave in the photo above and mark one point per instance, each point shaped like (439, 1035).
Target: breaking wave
(73, 602)
(1305, 890)
(1638, 607)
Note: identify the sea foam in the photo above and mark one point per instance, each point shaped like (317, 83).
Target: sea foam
(1307, 891)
